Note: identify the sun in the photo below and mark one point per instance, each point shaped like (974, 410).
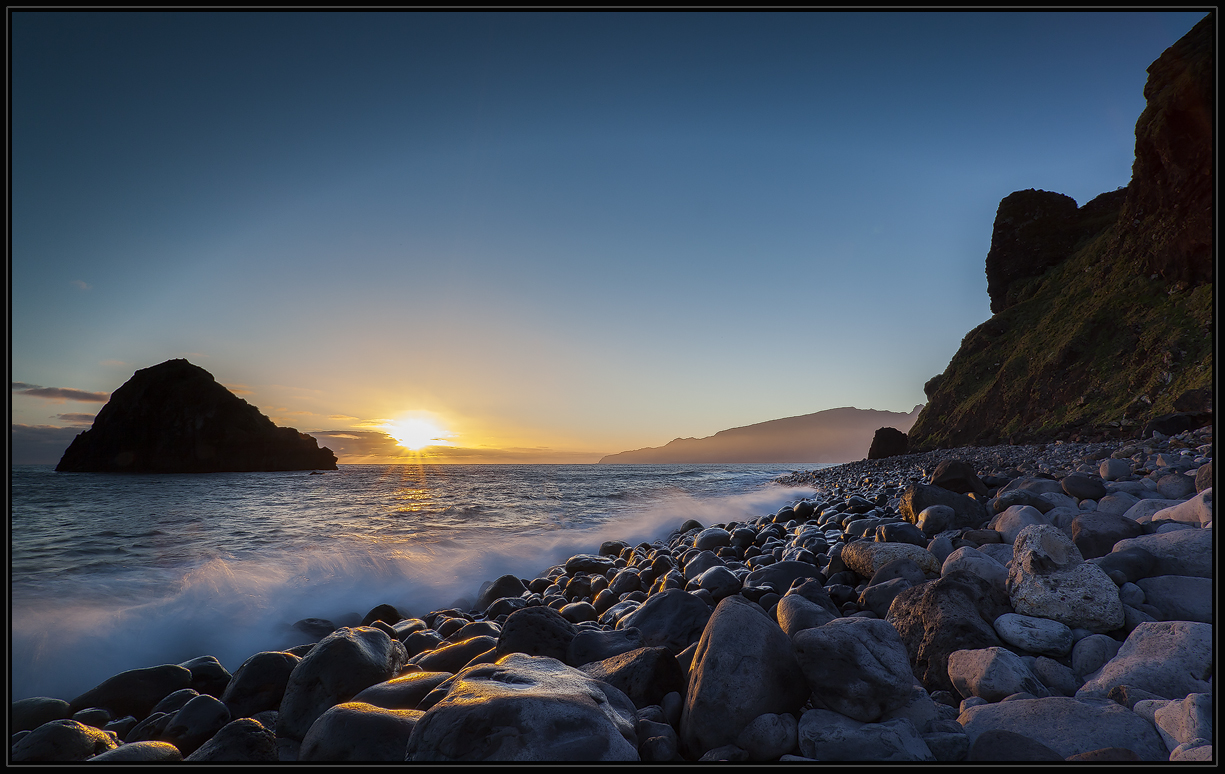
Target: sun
(415, 434)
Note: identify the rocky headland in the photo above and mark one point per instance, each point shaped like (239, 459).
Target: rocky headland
(1102, 314)
(175, 418)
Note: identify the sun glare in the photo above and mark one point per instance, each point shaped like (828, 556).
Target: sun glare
(415, 434)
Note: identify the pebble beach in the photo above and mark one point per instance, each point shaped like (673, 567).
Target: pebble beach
(1007, 603)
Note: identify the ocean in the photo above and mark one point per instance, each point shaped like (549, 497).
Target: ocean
(116, 572)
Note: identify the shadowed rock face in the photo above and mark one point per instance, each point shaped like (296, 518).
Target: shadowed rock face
(175, 418)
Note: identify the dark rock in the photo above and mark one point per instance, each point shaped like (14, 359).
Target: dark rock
(175, 418)
(855, 666)
(958, 476)
(29, 714)
(403, 692)
(1096, 533)
(259, 683)
(526, 708)
(1203, 477)
(672, 619)
(1083, 487)
(968, 512)
(1194, 400)
(887, 442)
(536, 631)
(358, 732)
(62, 740)
(239, 741)
(590, 645)
(744, 666)
(416, 643)
(1000, 745)
(1033, 231)
(388, 614)
(505, 586)
(1105, 755)
(136, 691)
(208, 675)
(954, 612)
(454, 656)
(1173, 424)
(315, 627)
(645, 675)
(196, 723)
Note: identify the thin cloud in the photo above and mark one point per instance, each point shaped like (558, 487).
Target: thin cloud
(60, 393)
(81, 284)
(78, 419)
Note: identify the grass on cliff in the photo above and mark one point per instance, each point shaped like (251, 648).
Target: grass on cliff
(1092, 342)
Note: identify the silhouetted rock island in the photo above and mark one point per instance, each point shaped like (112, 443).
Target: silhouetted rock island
(175, 418)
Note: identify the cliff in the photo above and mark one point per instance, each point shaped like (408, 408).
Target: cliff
(1102, 314)
(175, 418)
(835, 435)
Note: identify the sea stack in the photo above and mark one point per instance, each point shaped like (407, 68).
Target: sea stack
(176, 418)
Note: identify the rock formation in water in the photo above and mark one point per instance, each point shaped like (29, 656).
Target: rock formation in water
(834, 435)
(175, 418)
(1103, 314)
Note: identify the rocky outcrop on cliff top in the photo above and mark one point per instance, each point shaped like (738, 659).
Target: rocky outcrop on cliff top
(175, 418)
(1102, 315)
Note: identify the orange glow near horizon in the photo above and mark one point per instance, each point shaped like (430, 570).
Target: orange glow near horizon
(414, 433)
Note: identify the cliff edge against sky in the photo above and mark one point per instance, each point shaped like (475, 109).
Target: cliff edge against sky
(1102, 314)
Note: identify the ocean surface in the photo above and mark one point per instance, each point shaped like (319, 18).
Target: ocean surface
(115, 572)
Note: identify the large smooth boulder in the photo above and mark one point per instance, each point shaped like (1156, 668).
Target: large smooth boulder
(672, 619)
(830, 736)
(1197, 511)
(1034, 635)
(141, 752)
(968, 512)
(1049, 579)
(858, 667)
(1096, 533)
(196, 723)
(781, 575)
(1015, 518)
(744, 666)
(937, 618)
(976, 562)
(62, 740)
(992, 674)
(136, 691)
(866, 557)
(526, 708)
(1182, 552)
(358, 732)
(403, 692)
(1167, 658)
(239, 741)
(796, 613)
(29, 714)
(645, 675)
(259, 683)
(345, 662)
(1068, 726)
(1179, 597)
(536, 631)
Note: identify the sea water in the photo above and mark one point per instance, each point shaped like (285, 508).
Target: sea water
(114, 572)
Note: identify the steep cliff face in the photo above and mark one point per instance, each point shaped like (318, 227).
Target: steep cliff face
(175, 418)
(1103, 314)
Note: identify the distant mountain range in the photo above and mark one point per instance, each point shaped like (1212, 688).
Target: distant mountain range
(834, 435)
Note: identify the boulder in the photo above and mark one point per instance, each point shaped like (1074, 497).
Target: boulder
(992, 674)
(140, 752)
(1096, 533)
(672, 619)
(591, 645)
(1180, 722)
(829, 736)
(1015, 518)
(29, 714)
(259, 683)
(536, 631)
(770, 736)
(1196, 511)
(645, 675)
(1185, 552)
(1068, 726)
(196, 723)
(937, 618)
(887, 442)
(403, 692)
(866, 557)
(918, 497)
(136, 691)
(858, 667)
(1034, 635)
(796, 612)
(62, 740)
(175, 418)
(958, 476)
(1179, 597)
(744, 666)
(1048, 579)
(239, 741)
(337, 668)
(357, 732)
(208, 675)
(980, 563)
(1170, 659)
(1033, 231)
(996, 744)
(526, 708)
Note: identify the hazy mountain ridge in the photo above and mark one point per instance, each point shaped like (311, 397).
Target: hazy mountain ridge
(834, 435)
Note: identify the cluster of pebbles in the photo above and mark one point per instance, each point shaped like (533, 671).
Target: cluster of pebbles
(1006, 603)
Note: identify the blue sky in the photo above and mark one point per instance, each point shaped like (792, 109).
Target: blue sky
(560, 235)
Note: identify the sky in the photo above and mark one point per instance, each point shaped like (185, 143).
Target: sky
(536, 237)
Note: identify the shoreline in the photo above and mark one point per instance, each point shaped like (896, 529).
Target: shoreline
(613, 602)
